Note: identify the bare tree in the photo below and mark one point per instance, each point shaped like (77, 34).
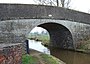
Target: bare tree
(45, 2)
(65, 3)
(61, 3)
(57, 1)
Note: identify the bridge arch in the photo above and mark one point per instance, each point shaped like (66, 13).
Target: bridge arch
(59, 30)
(60, 36)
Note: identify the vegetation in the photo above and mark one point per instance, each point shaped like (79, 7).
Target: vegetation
(61, 3)
(37, 57)
(85, 44)
(49, 59)
(44, 38)
(40, 59)
(27, 59)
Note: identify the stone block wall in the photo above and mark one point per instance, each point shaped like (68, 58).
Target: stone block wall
(11, 53)
(20, 11)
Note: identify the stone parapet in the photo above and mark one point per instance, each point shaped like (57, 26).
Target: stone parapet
(27, 11)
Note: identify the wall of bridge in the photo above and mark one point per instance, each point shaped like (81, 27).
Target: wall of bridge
(66, 28)
(11, 53)
(13, 31)
(17, 20)
(29, 11)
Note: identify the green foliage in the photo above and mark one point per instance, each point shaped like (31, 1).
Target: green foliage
(49, 59)
(27, 59)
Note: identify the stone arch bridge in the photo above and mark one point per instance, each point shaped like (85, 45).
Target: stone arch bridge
(68, 29)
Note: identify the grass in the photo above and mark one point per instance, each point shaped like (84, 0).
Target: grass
(27, 59)
(40, 59)
(49, 59)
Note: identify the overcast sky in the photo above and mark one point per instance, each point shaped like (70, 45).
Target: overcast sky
(80, 5)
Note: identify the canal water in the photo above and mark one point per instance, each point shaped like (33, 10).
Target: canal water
(69, 57)
(36, 45)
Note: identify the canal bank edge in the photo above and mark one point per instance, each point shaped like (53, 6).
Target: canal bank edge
(41, 58)
(83, 51)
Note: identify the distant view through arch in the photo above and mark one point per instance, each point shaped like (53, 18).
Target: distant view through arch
(40, 34)
(60, 36)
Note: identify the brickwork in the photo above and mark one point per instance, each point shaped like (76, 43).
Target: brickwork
(11, 54)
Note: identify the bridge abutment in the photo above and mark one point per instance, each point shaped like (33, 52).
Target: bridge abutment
(11, 53)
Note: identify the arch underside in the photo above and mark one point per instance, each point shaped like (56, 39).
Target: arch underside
(60, 36)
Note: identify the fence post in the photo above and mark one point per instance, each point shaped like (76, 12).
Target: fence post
(27, 46)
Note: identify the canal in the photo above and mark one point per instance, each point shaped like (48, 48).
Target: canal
(69, 57)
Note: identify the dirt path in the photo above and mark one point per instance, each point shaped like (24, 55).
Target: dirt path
(37, 54)
(40, 59)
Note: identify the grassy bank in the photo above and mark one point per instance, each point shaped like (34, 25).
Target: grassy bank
(50, 59)
(27, 59)
(40, 59)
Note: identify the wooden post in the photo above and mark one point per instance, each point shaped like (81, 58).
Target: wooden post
(27, 46)
(57, 3)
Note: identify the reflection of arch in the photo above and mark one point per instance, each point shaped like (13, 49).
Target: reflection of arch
(60, 36)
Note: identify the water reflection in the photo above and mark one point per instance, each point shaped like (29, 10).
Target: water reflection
(70, 57)
(36, 45)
